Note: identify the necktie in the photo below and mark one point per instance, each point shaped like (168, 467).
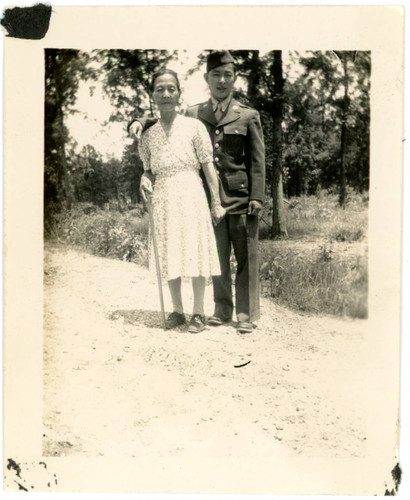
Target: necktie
(218, 112)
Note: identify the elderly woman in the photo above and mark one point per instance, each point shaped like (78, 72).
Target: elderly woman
(173, 151)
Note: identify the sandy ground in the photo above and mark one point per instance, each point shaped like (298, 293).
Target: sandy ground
(115, 383)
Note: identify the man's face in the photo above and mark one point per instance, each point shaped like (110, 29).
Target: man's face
(221, 81)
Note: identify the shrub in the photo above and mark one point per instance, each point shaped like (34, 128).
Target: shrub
(104, 233)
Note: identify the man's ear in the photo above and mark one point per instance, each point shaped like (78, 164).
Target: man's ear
(206, 78)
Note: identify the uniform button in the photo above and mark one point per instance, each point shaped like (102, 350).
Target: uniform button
(217, 145)
(216, 158)
(217, 132)
(242, 185)
(236, 131)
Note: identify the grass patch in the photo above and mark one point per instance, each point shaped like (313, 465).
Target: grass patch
(304, 271)
(320, 216)
(316, 281)
(103, 233)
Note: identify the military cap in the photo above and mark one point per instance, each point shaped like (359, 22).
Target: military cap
(219, 58)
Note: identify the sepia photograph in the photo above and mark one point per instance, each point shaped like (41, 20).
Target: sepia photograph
(210, 290)
(282, 324)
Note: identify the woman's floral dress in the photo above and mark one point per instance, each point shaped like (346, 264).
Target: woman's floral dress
(183, 226)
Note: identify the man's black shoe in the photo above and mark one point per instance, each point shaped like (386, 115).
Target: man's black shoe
(217, 321)
(244, 327)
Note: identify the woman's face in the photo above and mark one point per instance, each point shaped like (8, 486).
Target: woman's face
(166, 94)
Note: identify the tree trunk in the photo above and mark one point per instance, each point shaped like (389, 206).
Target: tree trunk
(61, 146)
(278, 219)
(117, 197)
(342, 178)
(254, 77)
(77, 193)
(134, 195)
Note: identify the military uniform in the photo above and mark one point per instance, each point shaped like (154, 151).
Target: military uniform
(239, 157)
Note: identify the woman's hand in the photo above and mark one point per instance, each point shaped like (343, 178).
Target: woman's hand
(146, 186)
(218, 213)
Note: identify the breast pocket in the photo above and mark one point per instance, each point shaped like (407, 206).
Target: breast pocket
(234, 139)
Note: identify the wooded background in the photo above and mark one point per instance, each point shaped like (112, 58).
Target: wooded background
(316, 126)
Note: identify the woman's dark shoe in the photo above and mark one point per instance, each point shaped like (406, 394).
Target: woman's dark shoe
(197, 324)
(175, 319)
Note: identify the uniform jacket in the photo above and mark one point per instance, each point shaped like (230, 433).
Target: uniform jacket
(239, 152)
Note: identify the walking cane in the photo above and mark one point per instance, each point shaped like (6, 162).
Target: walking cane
(157, 266)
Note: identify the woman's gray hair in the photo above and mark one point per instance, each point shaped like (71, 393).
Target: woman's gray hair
(161, 72)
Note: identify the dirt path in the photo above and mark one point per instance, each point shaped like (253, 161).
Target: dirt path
(117, 384)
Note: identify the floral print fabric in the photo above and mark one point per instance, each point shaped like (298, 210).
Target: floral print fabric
(183, 226)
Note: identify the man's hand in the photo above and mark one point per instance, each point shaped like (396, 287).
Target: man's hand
(135, 129)
(255, 207)
(145, 187)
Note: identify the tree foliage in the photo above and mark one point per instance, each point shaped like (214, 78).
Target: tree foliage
(127, 78)
(85, 177)
(315, 112)
(315, 117)
(63, 70)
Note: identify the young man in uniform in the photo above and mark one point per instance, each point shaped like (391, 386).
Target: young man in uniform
(239, 155)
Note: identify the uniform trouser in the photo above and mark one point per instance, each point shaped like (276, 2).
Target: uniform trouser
(239, 231)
